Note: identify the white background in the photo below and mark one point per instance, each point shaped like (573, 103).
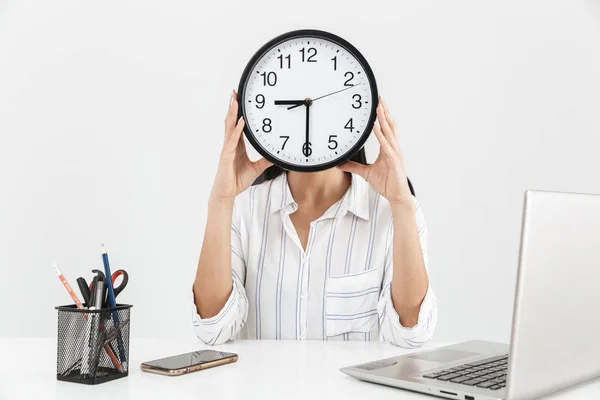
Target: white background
(111, 122)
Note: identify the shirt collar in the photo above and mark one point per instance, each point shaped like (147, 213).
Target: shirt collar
(355, 200)
(281, 196)
(358, 203)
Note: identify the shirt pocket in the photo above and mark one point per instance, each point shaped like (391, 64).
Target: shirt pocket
(352, 302)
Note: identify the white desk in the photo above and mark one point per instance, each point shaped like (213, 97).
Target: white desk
(265, 370)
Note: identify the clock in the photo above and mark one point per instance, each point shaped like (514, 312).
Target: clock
(309, 100)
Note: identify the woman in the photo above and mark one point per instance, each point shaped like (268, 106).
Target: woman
(338, 254)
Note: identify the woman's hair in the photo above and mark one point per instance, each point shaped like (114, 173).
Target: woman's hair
(274, 171)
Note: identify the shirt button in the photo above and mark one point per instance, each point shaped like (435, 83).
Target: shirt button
(302, 296)
(302, 337)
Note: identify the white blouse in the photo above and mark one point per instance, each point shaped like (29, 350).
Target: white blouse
(338, 289)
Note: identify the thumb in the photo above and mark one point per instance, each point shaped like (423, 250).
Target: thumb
(354, 168)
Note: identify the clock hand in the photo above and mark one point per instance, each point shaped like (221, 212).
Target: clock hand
(306, 150)
(341, 90)
(325, 95)
(288, 102)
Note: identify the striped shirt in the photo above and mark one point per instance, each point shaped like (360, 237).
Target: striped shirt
(339, 288)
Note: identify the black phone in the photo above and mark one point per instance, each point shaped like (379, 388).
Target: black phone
(189, 362)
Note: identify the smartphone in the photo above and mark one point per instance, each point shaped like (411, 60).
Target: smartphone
(189, 362)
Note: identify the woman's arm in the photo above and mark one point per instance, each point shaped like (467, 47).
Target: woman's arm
(226, 321)
(213, 284)
(409, 279)
(405, 333)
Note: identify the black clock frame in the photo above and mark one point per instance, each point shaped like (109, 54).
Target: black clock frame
(340, 42)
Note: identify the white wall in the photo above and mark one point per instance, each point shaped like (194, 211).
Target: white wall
(111, 122)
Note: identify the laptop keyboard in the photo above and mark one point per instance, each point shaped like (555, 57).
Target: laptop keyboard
(488, 374)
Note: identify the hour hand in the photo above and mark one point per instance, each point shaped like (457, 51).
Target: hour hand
(289, 102)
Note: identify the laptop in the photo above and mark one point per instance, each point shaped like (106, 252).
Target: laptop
(555, 337)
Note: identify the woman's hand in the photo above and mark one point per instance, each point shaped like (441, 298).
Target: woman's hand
(386, 174)
(236, 172)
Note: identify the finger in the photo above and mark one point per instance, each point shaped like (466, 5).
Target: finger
(261, 164)
(384, 145)
(392, 125)
(355, 168)
(387, 113)
(385, 128)
(234, 139)
(231, 114)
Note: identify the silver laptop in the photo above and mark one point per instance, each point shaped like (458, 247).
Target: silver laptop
(556, 321)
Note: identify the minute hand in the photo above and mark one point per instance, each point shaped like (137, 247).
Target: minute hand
(328, 94)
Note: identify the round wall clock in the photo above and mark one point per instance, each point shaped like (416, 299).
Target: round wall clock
(309, 100)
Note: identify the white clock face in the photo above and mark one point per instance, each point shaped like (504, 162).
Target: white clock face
(308, 102)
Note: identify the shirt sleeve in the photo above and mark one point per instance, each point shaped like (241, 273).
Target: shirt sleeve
(391, 329)
(231, 319)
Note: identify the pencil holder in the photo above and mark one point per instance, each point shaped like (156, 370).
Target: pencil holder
(93, 345)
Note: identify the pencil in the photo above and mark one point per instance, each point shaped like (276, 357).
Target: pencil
(62, 278)
(113, 303)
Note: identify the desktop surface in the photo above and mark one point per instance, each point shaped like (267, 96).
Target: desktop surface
(265, 370)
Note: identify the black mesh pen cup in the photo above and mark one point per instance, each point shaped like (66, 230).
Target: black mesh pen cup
(92, 345)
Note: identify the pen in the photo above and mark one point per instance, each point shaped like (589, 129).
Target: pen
(96, 341)
(93, 292)
(85, 290)
(99, 293)
(112, 302)
(62, 278)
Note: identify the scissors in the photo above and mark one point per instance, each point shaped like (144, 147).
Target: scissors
(124, 281)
